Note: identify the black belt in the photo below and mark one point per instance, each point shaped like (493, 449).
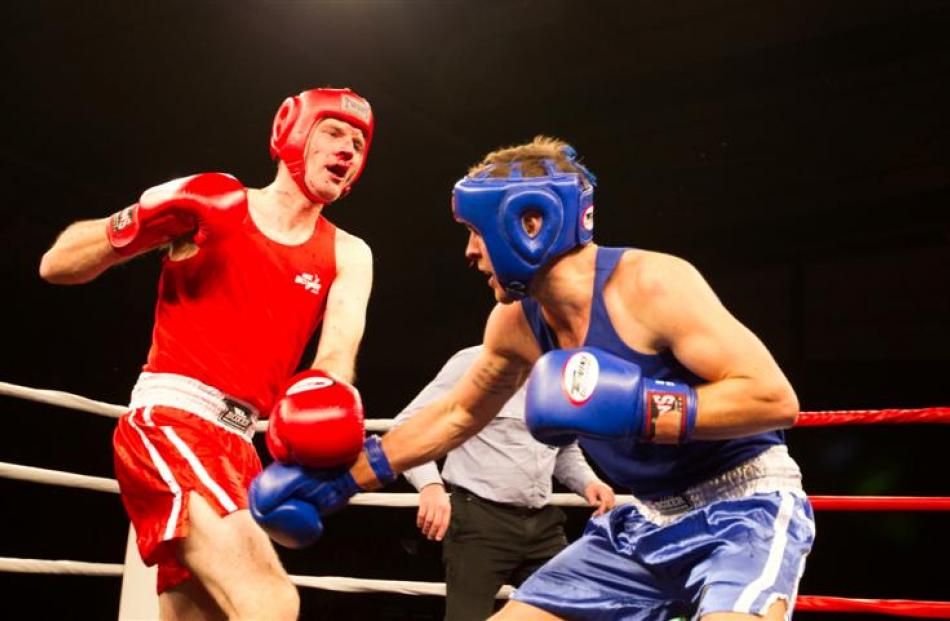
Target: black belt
(519, 509)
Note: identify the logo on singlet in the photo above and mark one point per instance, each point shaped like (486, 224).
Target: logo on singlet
(579, 377)
(310, 282)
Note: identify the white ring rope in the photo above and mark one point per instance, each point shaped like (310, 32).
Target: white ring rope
(366, 499)
(84, 404)
(64, 399)
(101, 484)
(327, 583)
(75, 568)
(56, 477)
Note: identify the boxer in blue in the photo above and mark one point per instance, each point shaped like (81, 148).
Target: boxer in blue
(631, 352)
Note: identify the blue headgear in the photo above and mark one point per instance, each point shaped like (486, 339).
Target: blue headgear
(494, 206)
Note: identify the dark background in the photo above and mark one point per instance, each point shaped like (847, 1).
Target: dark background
(798, 153)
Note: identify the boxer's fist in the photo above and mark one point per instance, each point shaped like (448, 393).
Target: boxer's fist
(592, 393)
(287, 500)
(292, 522)
(318, 422)
(204, 205)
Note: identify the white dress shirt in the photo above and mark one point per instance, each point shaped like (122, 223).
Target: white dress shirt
(503, 462)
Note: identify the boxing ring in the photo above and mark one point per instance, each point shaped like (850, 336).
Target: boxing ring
(138, 597)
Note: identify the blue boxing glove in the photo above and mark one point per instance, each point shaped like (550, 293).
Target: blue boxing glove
(288, 500)
(291, 522)
(592, 393)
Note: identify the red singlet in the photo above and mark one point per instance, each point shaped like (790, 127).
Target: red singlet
(239, 314)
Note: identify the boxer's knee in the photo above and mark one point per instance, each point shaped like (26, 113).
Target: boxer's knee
(519, 611)
(189, 601)
(776, 612)
(284, 602)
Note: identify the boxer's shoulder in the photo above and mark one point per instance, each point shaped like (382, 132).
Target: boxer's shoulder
(643, 277)
(351, 250)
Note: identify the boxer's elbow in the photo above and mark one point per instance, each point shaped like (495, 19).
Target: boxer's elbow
(782, 406)
(54, 270)
(59, 270)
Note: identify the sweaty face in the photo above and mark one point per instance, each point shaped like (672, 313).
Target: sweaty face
(477, 255)
(335, 152)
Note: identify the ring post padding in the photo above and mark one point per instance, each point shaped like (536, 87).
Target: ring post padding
(138, 600)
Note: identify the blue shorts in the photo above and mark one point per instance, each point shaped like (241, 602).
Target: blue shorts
(736, 555)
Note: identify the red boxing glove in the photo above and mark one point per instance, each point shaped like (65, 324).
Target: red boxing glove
(318, 422)
(204, 205)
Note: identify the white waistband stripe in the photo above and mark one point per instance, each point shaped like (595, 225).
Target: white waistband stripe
(188, 394)
(771, 471)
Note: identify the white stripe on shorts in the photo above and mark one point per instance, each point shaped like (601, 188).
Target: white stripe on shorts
(222, 496)
(774, 561)
(794, 598)
(164, 470)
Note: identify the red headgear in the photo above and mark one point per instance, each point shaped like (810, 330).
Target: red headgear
(297, 116)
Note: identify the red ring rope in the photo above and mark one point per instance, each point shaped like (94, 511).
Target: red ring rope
(871, 417)
(899, 607)
(880, 503)
(896, 607)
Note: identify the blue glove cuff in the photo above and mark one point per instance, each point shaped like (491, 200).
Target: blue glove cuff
(688, 425)
(328, 495)
(661, 396)
(378, 460)
(347, 486)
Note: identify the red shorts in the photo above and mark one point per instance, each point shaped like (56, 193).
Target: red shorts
(161, 454)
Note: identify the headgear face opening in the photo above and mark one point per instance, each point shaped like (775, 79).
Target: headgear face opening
(495, 208)
(296, 117)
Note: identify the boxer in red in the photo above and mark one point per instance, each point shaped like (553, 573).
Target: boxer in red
(248, 275)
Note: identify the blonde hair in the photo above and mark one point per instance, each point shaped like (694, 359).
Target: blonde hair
(530, 156)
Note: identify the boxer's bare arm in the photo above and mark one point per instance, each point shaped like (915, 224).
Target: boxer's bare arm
(471, 404)
(345, 317)
(747, 392)
(79, 254)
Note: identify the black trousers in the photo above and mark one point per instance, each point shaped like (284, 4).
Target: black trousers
(489, 544)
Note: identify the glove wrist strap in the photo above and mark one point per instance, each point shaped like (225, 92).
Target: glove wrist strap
(378, 460)
(688, 422)
(122, 229)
